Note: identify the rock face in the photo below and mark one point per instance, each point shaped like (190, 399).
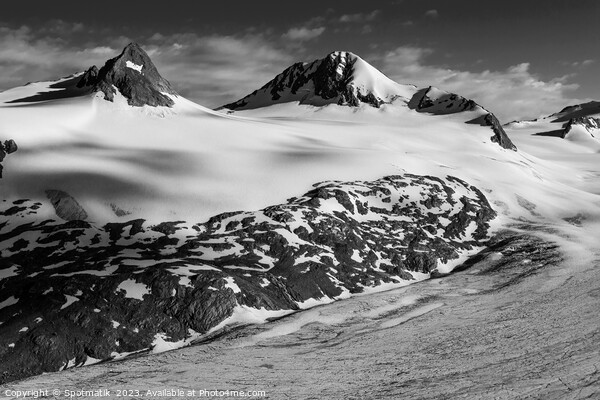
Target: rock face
(500, 135)
(8, 147)
(66, 206)
(134, 75)
(439, 102)
(74, 293)
(340, 78)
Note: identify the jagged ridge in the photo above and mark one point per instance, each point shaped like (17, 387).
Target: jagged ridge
(134, 75)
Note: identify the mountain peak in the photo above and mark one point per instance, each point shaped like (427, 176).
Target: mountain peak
(134, 75)
(341, 77)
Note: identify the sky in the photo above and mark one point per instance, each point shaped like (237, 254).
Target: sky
(519, 59)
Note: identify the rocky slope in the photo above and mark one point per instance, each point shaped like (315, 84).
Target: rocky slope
(74, 293)
(8, 147)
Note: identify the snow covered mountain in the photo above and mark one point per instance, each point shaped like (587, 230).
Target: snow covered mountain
(131, 73)
(135, 220)
(341, 78)
(344, 79)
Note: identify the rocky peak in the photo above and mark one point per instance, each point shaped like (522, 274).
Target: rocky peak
(340, 78)
(134, 75)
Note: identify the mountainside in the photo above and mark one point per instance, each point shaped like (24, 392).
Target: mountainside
(341, 78)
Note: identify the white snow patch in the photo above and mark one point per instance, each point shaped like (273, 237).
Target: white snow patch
(356, 256)
(185, 281)
(133, 289)
(312, 302)
(9, 302)
(160, 345)
(115, 324)
(8, 272)
(24, 329)
(70, 300)
(265, 282)
(134, 66)
(232, 285)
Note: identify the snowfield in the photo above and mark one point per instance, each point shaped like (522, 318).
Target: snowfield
(190, 163)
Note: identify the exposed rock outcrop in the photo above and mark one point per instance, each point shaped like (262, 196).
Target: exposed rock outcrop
(66, 206)
(8, 147)
(500, 135)
(74, 293)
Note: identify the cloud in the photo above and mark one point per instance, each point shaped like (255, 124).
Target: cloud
(303, 33)
(513, 93)
(360, 17)
(432, 13)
